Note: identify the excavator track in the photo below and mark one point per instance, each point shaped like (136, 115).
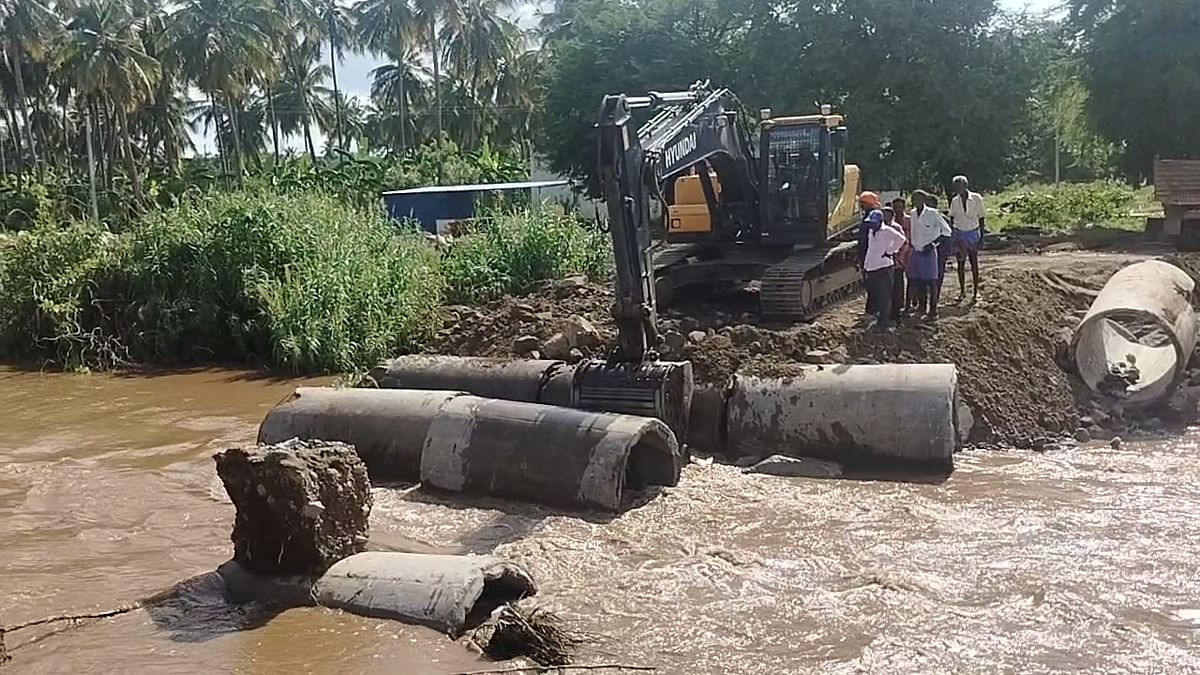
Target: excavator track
(809, 281)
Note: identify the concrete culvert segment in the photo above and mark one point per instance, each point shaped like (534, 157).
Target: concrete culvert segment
(1138, 336)
(855, 415)
(445, 592)
(661, 389)
(547, 454)
(462, 443)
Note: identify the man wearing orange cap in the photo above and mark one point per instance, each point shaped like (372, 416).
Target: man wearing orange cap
(867, 202)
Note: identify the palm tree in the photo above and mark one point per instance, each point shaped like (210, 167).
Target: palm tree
(163, 120)
(104, 58)
(337, 27)
(222, 43)
(301, 98)
(23, 25)
(516, 95)
(397, 88)
(353, 120)
(428, 14)
(479, 41)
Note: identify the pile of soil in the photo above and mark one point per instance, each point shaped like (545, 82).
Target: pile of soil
(1009, 347)
(503, 327)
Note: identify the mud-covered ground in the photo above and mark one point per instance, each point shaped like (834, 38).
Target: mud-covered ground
(1008, 346)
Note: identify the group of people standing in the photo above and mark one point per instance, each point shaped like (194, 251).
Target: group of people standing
(903, 252)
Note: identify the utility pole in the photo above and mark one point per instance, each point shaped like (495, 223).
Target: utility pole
(91, 166)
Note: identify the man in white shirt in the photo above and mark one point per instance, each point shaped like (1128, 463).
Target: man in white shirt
(929, 232)
(884, 241)
(967, 218)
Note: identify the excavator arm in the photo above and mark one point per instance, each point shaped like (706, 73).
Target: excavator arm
(624, 188)
(690, 129)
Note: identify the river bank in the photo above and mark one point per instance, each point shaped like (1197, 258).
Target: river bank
(1075, 560)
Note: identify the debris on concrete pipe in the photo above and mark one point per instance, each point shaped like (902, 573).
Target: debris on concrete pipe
(454, 441)
(661, 389)
(550, 454)
(386, 430)
(1137, 338)
(445, 592)
(868, 415)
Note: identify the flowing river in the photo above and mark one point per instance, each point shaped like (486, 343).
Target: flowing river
(1082, 560)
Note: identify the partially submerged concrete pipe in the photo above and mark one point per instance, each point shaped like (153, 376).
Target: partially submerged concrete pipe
(458, 442)
(1144, 312)
(438, 591)
(544, 453)
(661, 389)
(387, 431)
(445, 592)
(854, 415)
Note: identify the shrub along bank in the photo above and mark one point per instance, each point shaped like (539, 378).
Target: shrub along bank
(296, 281)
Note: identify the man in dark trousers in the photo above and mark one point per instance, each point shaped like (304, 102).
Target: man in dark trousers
(884, 241)
(867, 202)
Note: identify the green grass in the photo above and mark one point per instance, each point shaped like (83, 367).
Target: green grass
(508, 251)
(1070, 207)
(298, 281)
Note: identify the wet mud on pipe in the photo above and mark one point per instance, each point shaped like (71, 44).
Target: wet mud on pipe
(457, 442)
(871, 416)
(1139, 334)
(661, 389)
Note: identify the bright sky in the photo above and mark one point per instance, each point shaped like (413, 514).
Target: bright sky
(354, 72)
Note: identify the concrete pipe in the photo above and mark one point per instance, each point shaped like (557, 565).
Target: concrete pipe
(453, 441)
(1138, 336)
(387, 429)
(515, 380)
(660, 389)
(445, 592)
(547, 454)
(861, 416)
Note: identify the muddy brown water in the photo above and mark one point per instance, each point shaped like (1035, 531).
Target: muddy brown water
(1079, 560)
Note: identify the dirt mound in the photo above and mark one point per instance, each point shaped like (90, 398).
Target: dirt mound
(1009, 346)
(524, 325)
(1004, 347)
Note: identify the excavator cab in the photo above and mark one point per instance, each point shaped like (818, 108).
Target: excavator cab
(802, 177)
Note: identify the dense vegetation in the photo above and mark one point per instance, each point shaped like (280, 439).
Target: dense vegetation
(299, 281)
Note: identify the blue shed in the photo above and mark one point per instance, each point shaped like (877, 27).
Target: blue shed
(436, 207)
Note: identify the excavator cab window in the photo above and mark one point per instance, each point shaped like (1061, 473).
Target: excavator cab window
(794, 192)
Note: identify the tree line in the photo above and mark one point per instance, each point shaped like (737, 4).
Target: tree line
(930, 88)
(125, 80)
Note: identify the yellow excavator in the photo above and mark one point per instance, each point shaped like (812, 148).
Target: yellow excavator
(777, 205)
